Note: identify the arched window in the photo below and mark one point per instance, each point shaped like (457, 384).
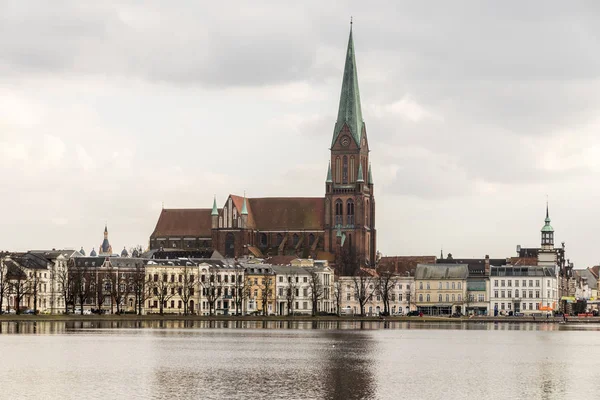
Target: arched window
(350, 212)
(338, 170)
(311, 239)
(367, 212)
(279, 239)
(295, 239)
(428, 298)
(421, 285)
(352, 174)
(345, 170)
(338, 211)
(440, 298)
(421, 297)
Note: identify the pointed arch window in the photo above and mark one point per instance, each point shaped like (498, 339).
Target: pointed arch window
(263, 240)
(279, 239)
(352, 173)
(338, 170)
(295, 239)
(339, 210)
(311, 239)
(367, 212)
(345, 170)
(350, 212)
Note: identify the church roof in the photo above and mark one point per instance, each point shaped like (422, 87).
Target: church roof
(286, 213)
(193, 222)
(349, 112)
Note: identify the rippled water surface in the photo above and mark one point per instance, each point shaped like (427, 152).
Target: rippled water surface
(281, 360)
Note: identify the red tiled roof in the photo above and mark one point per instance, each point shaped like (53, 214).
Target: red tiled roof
(193, 222)
(403, 264)
(286, 213)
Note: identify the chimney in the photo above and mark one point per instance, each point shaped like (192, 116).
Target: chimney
(487, 265)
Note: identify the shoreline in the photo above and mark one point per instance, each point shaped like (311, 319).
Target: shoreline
(156, 317)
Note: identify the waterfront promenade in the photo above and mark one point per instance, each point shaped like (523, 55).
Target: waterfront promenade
(175, 317)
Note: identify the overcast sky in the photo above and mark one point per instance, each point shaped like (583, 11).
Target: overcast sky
(475, 112)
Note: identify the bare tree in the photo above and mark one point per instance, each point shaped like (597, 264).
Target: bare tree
(187, 287)
(119, 288)
(266, 294)
(385, 283)
(316, 290)
(3, 283)
(363, 289)
(337, 293)
(81, 283)
(162, 290)
(19, 286)
(139, 283)
(64, 286)
(239, 289)
(290, 294)
(211, 289)
(101, 287)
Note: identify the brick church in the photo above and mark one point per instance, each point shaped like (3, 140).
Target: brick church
(339, 227)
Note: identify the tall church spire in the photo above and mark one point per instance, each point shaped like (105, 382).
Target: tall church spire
(329, 177)
(349, 112)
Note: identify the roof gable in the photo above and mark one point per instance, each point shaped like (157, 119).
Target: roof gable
(194, 222)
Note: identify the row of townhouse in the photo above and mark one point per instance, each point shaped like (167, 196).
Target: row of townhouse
(445, 289)
(393, 294)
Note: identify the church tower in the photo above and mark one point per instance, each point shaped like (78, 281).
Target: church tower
(547, 253)
(349, 200)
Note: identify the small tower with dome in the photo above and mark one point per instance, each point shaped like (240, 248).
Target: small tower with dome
(105, 248)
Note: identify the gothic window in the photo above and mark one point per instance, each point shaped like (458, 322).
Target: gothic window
(279, 239)
(350, 212)
(311, 239)
(296, 239)
(338, 211)
(220, 222)
(345, 170)
(263, 240)
(338, 170)
(352, 178)
(367, 212)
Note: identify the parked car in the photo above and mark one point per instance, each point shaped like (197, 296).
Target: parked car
(29, 312)
(413, 314)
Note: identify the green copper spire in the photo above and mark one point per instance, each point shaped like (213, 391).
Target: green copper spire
(349, 112)
(547, 227)
(244, 208)
(370, 182)
(215, 210)
(360, 174)
(329, 178)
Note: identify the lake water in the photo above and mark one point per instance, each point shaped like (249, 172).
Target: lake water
(298, 360)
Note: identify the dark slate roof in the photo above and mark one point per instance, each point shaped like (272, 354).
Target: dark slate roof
(522, 271)
(170, 254)
(403, 265)
(442, 271)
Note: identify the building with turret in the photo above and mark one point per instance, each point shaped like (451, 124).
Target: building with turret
(339, 227)
(105, 248)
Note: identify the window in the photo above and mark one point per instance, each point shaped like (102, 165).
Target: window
(453, 286)
(481, 297)
(295, 239)
(440, 285)
(172, 303)
(531, 294)
(352, 169)
(428, 298)
(495, 293)
(502, 294)
(281, 279)
(447, 298)
(345, 170)
(350, 212)
(305, 279)
(428, 286)
(524, 283)
(440, 298)
(502, 306)
(421, 285)
(338, 212)
(459, 286)
(537, 306)
(537, 294)
(338, 171)
(459, 297)
(537, 283)
(502, 283)
(421, 297)
(311, 239)
(399, 296)
(348, 296)
(517, 292)
(305, 292)
(531, 306)
(531, 283)
(279, 239)
(516, 283)
(510, 293)
(496, 282)
(524, 306)
(453, 298)
(447, 285)
(305, 305)
(508, 306)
